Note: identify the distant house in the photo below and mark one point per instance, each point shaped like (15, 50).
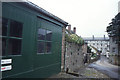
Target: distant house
(100, 43)
(113, 31)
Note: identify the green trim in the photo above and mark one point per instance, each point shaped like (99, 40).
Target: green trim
(41, 40)
(15, 55)
(48, 53)
(45, 40)
(15, 38)
(40, 53)
(48, 41)
(3, 36)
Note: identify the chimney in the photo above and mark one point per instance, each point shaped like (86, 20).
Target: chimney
(93, 37)
(69, 27)
(104, 37)
(74, 30)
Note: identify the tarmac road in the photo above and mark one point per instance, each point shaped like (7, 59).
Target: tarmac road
(105, 67)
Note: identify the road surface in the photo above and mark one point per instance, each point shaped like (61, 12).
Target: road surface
(105, 67)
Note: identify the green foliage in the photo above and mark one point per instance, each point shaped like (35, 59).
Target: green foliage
(88, 49)
(93, 55)
(73, 38)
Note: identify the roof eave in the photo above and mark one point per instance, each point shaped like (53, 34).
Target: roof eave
(41, 10)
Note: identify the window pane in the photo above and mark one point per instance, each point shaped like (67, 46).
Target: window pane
(49, 35)
(40, 46)
(4, 26)
(48, 47)
(14, 47)
(15, 29)
(41, 34)
(3, 46)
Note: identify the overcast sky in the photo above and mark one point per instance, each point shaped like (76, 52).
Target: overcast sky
(90, 17)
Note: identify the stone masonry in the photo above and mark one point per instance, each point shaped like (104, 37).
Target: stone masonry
(73, 57)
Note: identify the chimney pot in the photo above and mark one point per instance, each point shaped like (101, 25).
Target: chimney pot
(93, 37)
(104, 37)
(69, 27)
(74, 30)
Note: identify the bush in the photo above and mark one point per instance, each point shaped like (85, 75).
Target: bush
(73, 38)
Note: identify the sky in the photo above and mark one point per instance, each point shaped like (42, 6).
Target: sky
(90, 17)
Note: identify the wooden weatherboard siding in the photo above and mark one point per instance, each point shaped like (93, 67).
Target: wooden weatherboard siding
(30, 64)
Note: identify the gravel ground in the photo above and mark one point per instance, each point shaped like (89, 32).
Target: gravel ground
(83, 73)
(92, 73)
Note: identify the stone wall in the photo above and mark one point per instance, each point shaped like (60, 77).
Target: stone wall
(84, 47)
(114, 59)
(73, 57)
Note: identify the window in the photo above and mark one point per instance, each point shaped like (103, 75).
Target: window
(41, 46)
(113, 39)
(4, 26)
(14, 46)
(3, 46)
(11, 37)
(105, 48)
(113, 50)
(106, 43)
(44, 42)
(48, 35)
(101, 44)
(41, 34)
(15, 29)
(48, 47)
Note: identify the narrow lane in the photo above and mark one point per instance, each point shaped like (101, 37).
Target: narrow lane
(105, 67)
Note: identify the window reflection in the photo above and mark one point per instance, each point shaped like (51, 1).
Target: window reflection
(48, 47)
(49, 35)
(41, 34)
(40, 46)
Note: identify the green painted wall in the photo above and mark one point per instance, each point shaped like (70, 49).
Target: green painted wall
(30, 64)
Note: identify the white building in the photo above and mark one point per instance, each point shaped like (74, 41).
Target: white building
(100, 43)
(118, 6)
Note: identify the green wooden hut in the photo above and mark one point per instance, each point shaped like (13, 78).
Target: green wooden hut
(31, 41)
